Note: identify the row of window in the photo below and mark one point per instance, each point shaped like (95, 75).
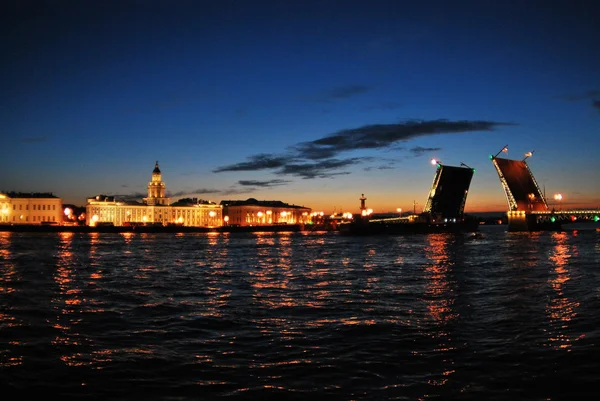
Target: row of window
(34, 207)
(26, 218)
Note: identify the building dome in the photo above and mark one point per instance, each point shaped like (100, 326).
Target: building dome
(156, 169)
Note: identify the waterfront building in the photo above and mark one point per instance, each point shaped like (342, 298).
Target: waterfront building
(30, 208)
(252, 212)
(155, 209)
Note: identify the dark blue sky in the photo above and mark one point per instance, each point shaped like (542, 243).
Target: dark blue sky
(311, 103)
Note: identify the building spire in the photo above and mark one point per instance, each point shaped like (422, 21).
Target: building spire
(156, 169)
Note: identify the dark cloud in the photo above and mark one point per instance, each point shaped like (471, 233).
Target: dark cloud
(124, 186)
(130, 196)
(419, 151)
(317, 159)
(381, 136)
(33, 139)
(343, 92)
(237, 191)
(596, 104)
(256, 162)
(322, 169)
(340, 93)
(198, 191)
(270, 183)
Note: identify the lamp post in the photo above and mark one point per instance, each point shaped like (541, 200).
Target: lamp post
(558, 198)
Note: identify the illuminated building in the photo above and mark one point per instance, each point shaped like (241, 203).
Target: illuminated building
(252, 212)
(30, 208)
(155, 209)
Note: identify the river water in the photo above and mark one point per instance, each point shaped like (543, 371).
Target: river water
(300, 315)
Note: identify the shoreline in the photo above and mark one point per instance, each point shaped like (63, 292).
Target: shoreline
(156, 229)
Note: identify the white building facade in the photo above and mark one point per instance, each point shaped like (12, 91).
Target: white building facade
(156, 209)
(30, 208)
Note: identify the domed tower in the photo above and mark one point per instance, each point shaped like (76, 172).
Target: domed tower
(156, 189)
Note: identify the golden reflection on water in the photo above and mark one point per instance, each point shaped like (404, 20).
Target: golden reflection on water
(439, 296)
(219, 284)
(271, 277)
(7, 278)
(68, 301)
(7, 267)
(560, 309)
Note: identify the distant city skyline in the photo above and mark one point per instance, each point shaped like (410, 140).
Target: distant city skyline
(311, 103)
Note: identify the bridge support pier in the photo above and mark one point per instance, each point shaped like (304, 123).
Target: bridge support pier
(518, 221)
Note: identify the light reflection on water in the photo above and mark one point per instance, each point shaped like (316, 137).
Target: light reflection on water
(561, 310)
(274, 314)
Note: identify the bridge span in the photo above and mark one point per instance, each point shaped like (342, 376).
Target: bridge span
(527, 206)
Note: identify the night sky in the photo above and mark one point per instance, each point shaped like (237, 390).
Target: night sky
(310, 103)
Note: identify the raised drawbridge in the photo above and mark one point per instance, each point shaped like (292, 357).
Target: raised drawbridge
(527, 206)
(448, 193)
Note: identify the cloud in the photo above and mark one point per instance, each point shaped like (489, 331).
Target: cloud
(199, 191)
(256, 162)
(236, 191)
(340, 93)
(130, 196)
(593, 94)
(419, 151)
(381, 136)
(270, 183)
(343, 92)
(322, 169)
(33, 139)
(319, 158)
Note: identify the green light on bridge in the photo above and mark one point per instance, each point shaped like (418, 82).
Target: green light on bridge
(553, 219)
(596, 218)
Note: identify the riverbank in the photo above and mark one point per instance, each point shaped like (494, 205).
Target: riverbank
(153, 229)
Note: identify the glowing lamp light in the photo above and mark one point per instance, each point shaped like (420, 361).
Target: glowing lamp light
(212, 213)
(226, 219)
(68, 211)
(596, 219)
(434, 162)
(558, 197)
(259, 214)
(95, 218)
(552, 219)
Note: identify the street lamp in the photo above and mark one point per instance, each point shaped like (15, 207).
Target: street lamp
(558, 198)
